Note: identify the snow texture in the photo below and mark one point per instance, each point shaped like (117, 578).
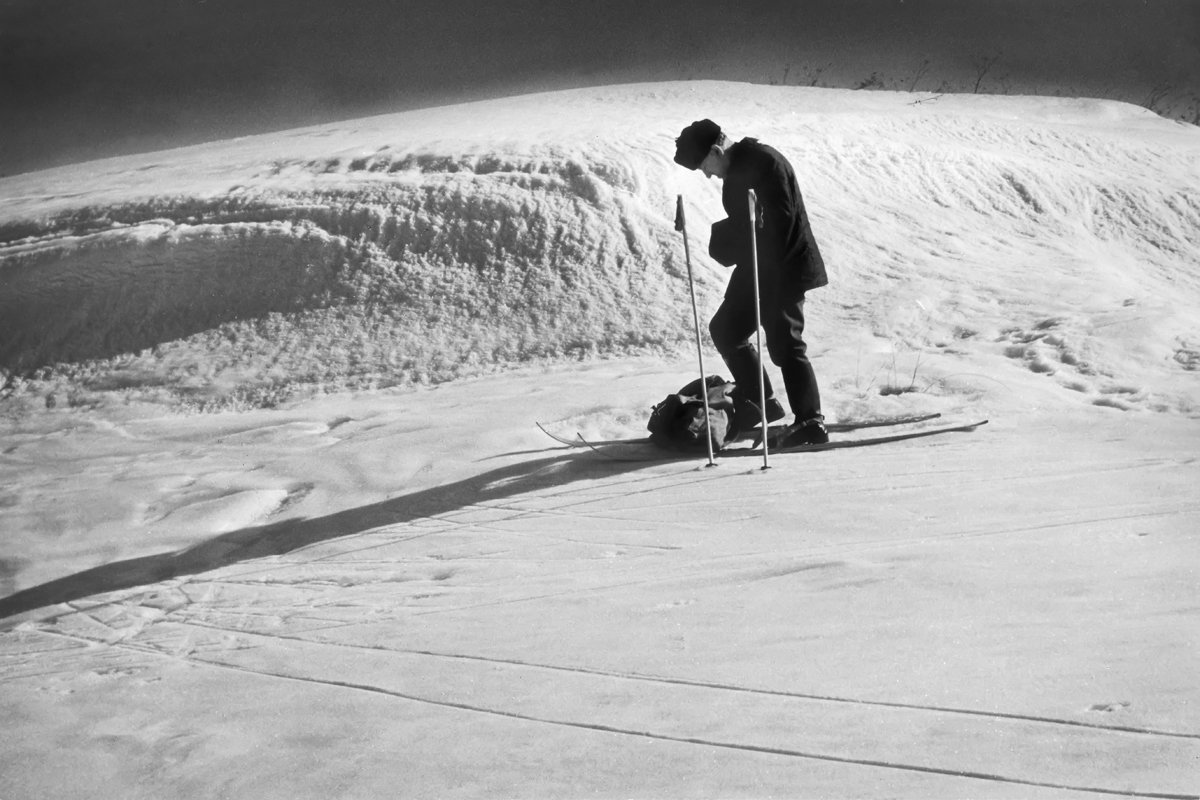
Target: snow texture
(366, 573)
(425, 246)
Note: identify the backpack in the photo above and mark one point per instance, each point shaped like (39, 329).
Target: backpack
(678, 421)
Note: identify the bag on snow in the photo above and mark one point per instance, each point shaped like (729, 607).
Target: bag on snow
(678, 421)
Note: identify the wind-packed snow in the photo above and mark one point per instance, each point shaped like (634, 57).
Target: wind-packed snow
(366, 573)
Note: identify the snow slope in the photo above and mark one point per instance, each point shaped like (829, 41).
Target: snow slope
(410, 591)
(430, 245)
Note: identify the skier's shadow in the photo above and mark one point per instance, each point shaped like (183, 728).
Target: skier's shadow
(563, 468)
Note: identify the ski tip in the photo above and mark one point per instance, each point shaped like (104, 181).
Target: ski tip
(561, 440)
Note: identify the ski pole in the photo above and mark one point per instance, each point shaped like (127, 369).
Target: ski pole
(681, 226)
(762, 382)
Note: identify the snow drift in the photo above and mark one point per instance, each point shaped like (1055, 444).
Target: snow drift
(408, 270)
(424, 246)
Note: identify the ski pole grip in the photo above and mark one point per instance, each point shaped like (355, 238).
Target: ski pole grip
(680, 222)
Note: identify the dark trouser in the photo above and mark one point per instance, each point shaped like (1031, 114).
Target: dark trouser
(783, 322)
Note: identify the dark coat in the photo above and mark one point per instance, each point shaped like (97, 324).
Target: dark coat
(786, 246)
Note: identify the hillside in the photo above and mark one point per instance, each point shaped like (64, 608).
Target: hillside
(420, 247)
(410, 591)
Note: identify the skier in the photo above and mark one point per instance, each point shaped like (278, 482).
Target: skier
(789, 265)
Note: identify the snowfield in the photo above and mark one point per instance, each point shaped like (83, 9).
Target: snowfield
(364, 572)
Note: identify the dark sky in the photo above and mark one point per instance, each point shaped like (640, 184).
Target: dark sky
(88, 78)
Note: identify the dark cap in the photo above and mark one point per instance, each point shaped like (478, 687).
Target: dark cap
(695, 141)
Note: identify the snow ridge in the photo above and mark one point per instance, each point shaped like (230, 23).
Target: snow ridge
(423, 247)
(441, 267)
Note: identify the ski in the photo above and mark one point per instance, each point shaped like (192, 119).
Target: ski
(752, 434)
(634, 451)
(579, 443)
(885, 422)
(841, 444)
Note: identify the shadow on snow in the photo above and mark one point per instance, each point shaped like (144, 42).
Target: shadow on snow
(285, 536)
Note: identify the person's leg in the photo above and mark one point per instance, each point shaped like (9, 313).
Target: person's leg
(731, 328)
(785, 342)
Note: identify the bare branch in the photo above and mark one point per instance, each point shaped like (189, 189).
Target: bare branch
(920, 73)
(982, 67)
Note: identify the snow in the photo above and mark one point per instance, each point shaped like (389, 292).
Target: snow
(364, 571)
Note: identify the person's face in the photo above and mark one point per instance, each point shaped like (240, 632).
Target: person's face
(714, 165)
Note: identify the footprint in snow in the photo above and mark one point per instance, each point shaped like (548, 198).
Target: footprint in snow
(1108, 708)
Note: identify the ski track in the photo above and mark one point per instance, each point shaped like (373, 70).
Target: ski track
(562, 504)
(648, 734)
(633, 676)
